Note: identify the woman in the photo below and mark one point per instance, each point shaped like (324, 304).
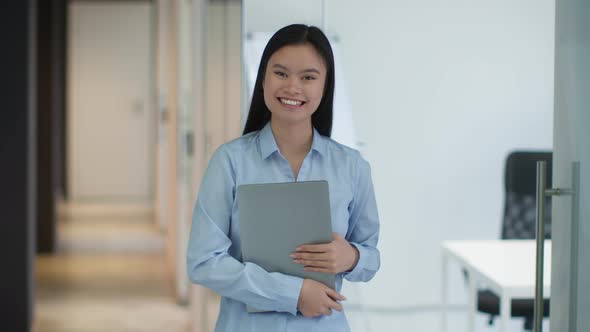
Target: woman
(286, 138)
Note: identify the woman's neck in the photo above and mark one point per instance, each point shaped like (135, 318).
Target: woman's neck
(293, 140)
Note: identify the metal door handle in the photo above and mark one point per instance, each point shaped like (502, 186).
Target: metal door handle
(542, 191)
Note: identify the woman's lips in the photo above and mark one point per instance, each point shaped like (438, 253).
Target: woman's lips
(291, 103)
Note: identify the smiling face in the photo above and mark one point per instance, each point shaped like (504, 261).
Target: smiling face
(294, 83)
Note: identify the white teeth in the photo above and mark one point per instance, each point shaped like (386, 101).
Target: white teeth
(290, 102)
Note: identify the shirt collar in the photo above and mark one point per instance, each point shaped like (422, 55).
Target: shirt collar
(268, 144)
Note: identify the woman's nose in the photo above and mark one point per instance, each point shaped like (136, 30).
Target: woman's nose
(293, 85)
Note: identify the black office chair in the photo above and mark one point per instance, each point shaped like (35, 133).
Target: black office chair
(519, 223)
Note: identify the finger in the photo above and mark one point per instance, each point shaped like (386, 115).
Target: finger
(313, 264)
(329, 265)
(318, 269)
(336, 236)
(327, 311)
(322, 256)
(333, 305)
(314, 247)
(336, 306)
(335, 295)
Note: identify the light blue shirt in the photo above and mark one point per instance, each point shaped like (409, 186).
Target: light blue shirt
(214, 257)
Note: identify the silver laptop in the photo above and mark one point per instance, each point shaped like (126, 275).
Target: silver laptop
(275, 218)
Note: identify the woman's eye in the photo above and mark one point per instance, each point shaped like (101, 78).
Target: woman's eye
(309, 78)
(280, 73)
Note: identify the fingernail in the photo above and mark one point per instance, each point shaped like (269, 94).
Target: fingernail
(298, 248)
(293, 255)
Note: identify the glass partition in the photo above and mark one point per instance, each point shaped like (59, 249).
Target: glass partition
(440, 95)
(435, 98)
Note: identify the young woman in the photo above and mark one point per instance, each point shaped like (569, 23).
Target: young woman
(286, 138)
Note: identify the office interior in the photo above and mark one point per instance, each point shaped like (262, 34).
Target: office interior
(113, 109)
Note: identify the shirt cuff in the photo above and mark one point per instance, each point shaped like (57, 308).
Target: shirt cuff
(355, 273)
(292, 288)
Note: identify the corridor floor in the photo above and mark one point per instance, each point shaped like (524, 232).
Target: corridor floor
(106, 292)
(109, 274)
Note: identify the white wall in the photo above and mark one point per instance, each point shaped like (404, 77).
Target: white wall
(269, 16)
(441, 92)
(442, 95)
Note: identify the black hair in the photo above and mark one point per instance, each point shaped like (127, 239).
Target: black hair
(295, 34)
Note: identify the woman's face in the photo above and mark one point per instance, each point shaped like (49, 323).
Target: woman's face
(294, 83)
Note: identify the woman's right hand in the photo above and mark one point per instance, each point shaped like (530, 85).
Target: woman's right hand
(317, 299)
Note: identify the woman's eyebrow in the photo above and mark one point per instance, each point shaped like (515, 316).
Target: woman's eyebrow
(276, 65)
(310, 70)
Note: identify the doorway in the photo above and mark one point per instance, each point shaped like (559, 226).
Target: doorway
(110, 119)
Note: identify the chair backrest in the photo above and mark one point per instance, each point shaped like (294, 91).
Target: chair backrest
(520, 195)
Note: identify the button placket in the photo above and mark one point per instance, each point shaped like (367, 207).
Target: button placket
(305, 167)
(286, 168)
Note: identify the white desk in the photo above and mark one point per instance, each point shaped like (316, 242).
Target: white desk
(507, 267)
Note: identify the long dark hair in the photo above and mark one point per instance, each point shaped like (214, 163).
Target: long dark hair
(296, 34)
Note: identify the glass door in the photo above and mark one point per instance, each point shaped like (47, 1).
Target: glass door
(570, 280)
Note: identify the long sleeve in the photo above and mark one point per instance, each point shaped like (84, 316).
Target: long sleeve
(209, 262)
(363, 232)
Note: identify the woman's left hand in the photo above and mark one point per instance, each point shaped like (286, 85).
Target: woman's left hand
(334, 257)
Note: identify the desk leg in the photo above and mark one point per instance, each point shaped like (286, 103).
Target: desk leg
(472, 300)
(505, 308)
(444, 293)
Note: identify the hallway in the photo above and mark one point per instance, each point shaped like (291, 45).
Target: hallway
(109, 274)
(105, 292)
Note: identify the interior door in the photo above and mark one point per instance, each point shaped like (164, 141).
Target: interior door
(109, 115)
(570, 280)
